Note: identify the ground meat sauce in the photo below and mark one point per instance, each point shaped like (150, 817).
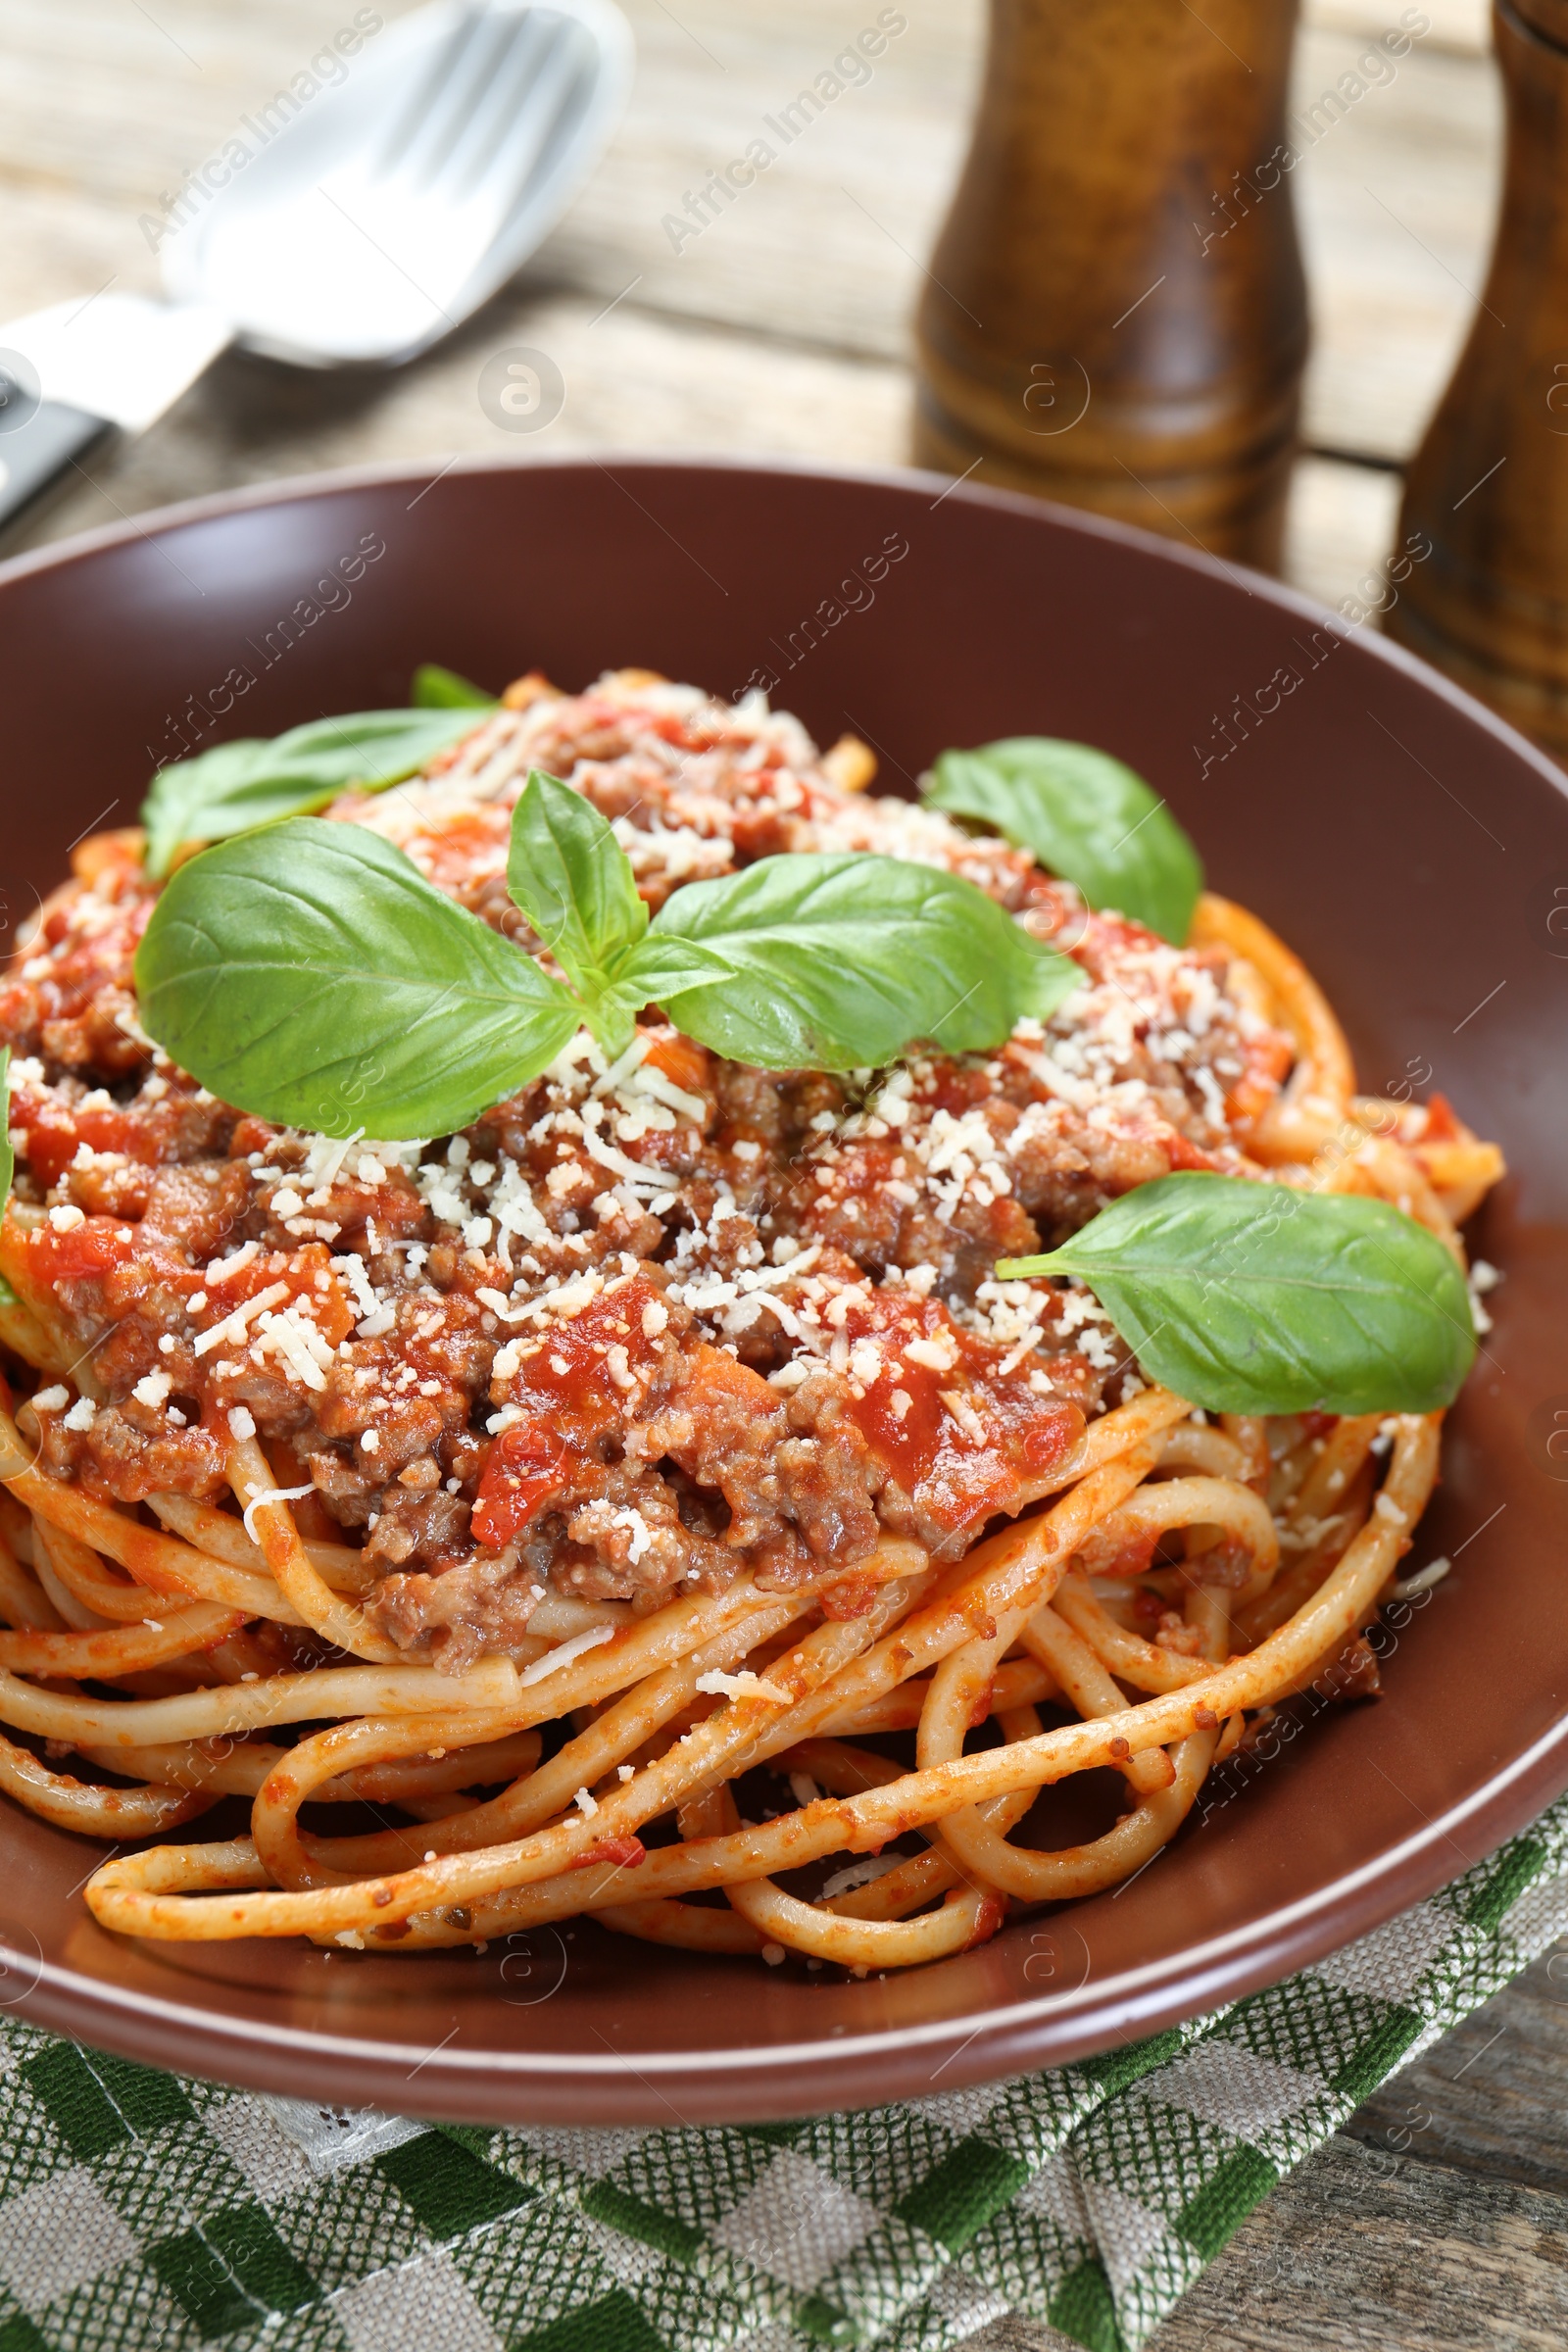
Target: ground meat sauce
(642, 1326)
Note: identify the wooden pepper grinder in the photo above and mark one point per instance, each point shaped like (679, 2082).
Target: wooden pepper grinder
(1115, 313)
(1489, 486)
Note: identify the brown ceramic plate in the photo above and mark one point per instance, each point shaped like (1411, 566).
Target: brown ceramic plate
(1412, 847)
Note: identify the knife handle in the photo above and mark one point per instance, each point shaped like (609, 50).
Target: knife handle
(33, 453)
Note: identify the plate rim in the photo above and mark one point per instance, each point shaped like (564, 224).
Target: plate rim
(806, 2078)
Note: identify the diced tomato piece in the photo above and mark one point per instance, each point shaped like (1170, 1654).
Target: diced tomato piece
(1268, 1059)
(54, 1131)
(1184, 1155)
(1132, 1560)
(252, 1135)
(308, 1273)
(572, 1388)
(959, 1468)
(462, 852)
(115, 857)
(625, 1852)
(525, 1467)
(713, 1376)
(957, 1089)
(97, 1247)
(678, 1059)
(1106, 934)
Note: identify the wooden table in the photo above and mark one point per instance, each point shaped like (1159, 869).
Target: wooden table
(1436, 2219)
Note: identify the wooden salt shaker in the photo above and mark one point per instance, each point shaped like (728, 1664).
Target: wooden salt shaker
(1489, 486)
(1115, 313)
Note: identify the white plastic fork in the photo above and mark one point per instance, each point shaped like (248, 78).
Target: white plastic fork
(370, 223)
(490, 64)
(394, 206)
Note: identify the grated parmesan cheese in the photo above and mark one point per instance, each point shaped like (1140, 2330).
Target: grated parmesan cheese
(745, 1685)
(564, 1653)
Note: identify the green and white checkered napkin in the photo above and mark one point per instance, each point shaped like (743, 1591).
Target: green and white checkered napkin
(140, 2210)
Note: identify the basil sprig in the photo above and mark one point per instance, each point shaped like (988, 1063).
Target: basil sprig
(1086, 816)
(256, 782)
(575, 882)
(1250, 1297)
(309, 973)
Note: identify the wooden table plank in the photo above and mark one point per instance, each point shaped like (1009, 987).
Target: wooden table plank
(1464, 26)
(1435, 2222)
(1341, 525)
(1489, 2099)
(632, 379)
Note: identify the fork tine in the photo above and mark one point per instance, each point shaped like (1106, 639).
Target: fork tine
(518, 119)
(404, 128)
(448, 113)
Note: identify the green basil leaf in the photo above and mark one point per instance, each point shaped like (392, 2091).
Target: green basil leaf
(573, 881)
(610, 1014)
(179, 792)
(659, 966)
(642, 977)
(841, 962)
(1086, 817)
(1252, 1298)
(237, 786)
(438, 689)
(309, 973)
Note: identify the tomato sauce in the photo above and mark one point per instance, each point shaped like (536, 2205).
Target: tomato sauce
(958, 1466)
(569, 1389)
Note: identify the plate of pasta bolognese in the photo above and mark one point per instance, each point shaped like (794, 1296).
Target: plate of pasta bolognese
(781, 1272)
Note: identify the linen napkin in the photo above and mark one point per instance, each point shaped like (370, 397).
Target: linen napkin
(142, 2212)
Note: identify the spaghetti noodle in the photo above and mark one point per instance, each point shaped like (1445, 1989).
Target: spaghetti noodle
(663, 1445)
